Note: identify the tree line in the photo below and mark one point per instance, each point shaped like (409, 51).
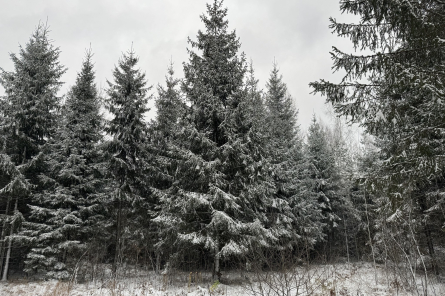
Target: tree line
(223, 172)
(396, 93)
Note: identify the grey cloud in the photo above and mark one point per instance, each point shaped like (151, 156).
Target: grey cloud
(295, 32)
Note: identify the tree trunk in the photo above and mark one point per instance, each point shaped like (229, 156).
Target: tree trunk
(427, 232)
(117, 254)
(346, 237)
(3, 238)
(158, 262)
(8, 254)
(217, 268)
(369, 237)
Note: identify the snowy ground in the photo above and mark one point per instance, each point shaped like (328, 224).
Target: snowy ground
(359, 279)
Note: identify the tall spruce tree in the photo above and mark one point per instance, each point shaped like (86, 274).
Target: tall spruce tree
(396, 93)
(364, 200)
(67, 208)
(346, 168)
(322, 177)
(219, 195)
(255, 98)
(169, 104)
(285, 152)
(129, 163)
(167, 152)
(29, 111)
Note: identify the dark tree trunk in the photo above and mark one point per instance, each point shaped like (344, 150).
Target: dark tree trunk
(8, 253)
(117, 254)
(428, 234)
(3, 236)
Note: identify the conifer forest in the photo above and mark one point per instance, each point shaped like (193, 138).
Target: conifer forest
(222, 177)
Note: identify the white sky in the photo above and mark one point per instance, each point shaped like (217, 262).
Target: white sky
(294, 32)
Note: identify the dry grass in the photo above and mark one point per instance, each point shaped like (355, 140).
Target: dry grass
(340, 280)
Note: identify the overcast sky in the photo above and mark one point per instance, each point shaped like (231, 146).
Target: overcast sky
(293, 32)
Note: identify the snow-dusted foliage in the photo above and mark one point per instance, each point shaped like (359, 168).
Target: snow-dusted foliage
(31, 96)
(321, 176)
(128, 157)
(29, 121)
(13, 186)
(221, 189)
(222, 177)
(300, 211)
(396, 93)
(65, 213)
(403, 93)
(170, 106)
(167, 152)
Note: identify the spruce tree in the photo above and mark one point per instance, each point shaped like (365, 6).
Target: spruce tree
(73, 177)
(14, 186)
(321, 178)
(29, 120)
(346, 168)
(396, 93)
(128, 157)
(219, 195)
(364, 200)
(167, 152)
(31, 94)
(285, 153)
(169, 104)
(255, 98)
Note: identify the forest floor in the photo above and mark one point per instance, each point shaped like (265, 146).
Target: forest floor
(355, 279)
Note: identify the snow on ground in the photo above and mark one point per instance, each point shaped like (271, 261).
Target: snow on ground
(357, 279)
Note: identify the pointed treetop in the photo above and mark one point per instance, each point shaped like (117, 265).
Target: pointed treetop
(168, 103)
(215, 20)
(280, 105)
(39, 49)
(83, 117)
(128, 78)
(252, 81)
(127, 100)
(86, 76)
(32, 87)
(315, 125)
(218, 71)
(277, 89)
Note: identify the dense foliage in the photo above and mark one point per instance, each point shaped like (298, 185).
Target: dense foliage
(223, 176)
(396, 94)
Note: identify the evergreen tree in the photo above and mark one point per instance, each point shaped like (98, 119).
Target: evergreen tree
(396, 93)
(129, 159)
(167, 152)
(346, 167)
(29, 120)
(169, 104)
(14, 186)
(286, 156)
(31, 96)
(364, 199)
(255, 98)
(219, 196)
(67, 206)
(322, 176)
